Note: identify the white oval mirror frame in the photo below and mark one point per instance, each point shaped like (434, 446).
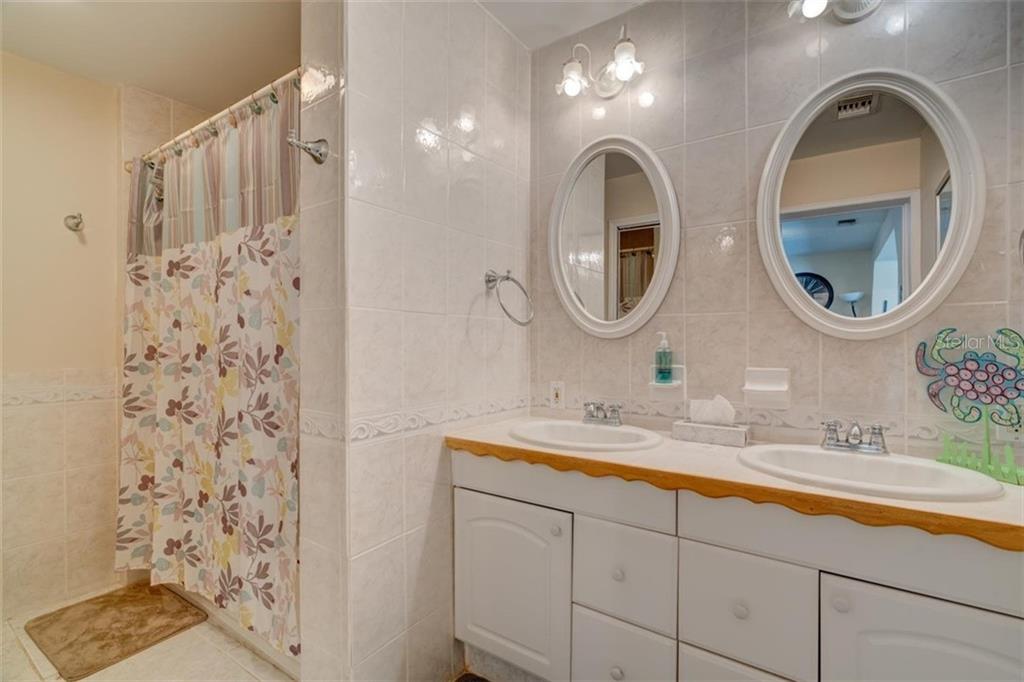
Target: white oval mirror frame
(967, 173)
(668, 250)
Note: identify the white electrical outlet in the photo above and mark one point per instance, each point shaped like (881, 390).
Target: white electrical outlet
(556, 395)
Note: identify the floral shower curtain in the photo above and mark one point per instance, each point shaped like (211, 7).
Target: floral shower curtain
(209, 438)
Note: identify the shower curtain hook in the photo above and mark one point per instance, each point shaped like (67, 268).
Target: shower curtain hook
(256, 108)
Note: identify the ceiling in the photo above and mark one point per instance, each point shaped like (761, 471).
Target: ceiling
(541, 22)
(208, 54)
(823, 233)
(895, 120)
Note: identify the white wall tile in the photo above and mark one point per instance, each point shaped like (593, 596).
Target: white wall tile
(377, 598)
(467, 197)
(716, 91)
(657, 29)
(710, 189)
(424, 351)
(33, 440)
(374, 151)
(375, 368)
(374, 257)
(376, 514)
(951, 39)
(782, 71)
(983, 100)
(712, 25)
(466, 358)
(320, 255)
(661, 123)
(716, 268)
(428, 493)
(467, 257)
(33, 510)
(428, 560)
(91, 497)
(424, 266)
(374, 62)
(322, 482)
(33, 576)
(91, 433)
(878, 41)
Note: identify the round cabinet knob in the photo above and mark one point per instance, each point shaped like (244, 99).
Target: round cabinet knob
(740, 610)
(556, 531)
(617, 673)
(841, 604)
(618, 575)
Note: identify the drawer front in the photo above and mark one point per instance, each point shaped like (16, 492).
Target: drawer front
(636, 503)
(626, 572)
(604, 648)
(697, 665)
(759, 611)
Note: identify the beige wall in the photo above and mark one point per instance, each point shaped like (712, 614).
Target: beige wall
(629, 196)
(60, 157)
(829, 178)
(59, 336)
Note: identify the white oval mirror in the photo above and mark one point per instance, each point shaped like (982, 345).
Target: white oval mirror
(614, 237)
(871, 204)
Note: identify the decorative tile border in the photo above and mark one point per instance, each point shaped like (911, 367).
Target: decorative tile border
(394, 423)
(59, 386)
(320, 424)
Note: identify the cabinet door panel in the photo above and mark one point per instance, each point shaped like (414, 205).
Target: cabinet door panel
(878, 633)
(513, 570)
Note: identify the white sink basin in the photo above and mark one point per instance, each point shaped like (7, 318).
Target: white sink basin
(897, 476)
(553, 433)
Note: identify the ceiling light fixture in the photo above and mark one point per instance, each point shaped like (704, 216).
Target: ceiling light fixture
(611, 79)
(847, 11)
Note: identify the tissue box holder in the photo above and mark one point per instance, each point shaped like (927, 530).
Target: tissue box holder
(712, 434)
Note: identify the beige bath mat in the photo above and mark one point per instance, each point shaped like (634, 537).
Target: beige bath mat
(87, 637)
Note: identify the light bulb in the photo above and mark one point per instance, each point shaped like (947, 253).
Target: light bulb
(573, 82)
(813, 8)
(624, 56)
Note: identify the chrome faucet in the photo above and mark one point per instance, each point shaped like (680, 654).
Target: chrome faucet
(596, 412)
(854, 438)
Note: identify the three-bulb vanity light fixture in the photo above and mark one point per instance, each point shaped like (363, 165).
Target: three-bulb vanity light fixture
(847, 11)
(612, 77)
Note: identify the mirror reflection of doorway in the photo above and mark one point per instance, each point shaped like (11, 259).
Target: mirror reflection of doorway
(860, 247)
(637, 249)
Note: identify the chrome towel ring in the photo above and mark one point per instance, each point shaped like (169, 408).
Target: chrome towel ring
(494, 281)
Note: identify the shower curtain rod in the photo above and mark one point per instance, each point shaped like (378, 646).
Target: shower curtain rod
(296, 73)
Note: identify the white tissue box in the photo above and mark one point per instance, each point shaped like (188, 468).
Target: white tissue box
(712, 434)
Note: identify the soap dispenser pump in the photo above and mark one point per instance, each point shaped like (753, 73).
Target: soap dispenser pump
(663, 361)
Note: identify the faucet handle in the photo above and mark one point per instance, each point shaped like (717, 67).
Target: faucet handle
(614, 413)
(876, 438)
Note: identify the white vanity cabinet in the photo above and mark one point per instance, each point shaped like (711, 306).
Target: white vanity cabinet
(513, 572)
(870, 632)
(573, 577)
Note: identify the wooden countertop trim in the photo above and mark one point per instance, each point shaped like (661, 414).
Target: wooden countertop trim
(1002, 535)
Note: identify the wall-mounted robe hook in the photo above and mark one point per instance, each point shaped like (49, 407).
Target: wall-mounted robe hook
(73, 222)
(318, 149)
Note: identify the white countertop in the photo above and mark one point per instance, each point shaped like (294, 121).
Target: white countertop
(720, 463)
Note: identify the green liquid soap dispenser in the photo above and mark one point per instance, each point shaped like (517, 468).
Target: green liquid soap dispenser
(663, 361)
